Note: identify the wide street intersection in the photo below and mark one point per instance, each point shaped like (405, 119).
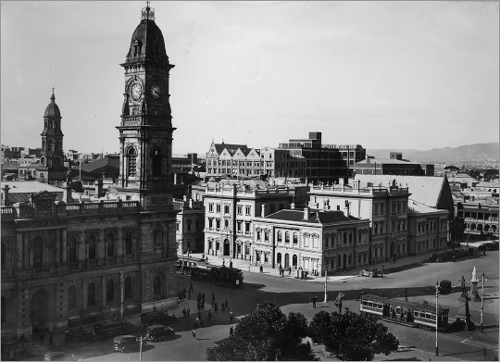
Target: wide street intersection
(294, 295)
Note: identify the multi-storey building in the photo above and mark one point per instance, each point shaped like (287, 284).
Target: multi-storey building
(314, 240)
(229, 214)
(394, 165)
(385, 207)
(66, 262)
(480, 219)
(427, 228)
(321, 163)
(190, 225)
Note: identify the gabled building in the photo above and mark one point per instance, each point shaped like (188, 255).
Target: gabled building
(312, 240)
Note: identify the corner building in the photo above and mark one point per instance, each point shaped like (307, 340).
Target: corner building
(67, 263)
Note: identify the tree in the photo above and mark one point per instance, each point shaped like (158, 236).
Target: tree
(351, 336)
(265, 334)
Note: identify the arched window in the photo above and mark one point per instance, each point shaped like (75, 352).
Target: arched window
(72, 297)
(72, 250)
(157, 285)
(128, 243)
(111, 245)
(4, 257)
(278, 258)
(156, 161)
(158, 236)
(38, 251)
(128, 288)
(91, 294)
(287, 236)
(92, 247)
(132, 158)
(295, 238)
(110, 291)
(294, 260)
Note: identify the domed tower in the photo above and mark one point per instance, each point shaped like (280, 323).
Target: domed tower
(52, 159)
(145, 161)
(146, 120)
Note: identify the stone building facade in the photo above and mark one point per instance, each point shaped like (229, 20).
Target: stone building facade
(67, 263)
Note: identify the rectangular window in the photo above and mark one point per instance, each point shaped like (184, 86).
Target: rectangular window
(399, 206)
(210, 207)
(376, 209)
(217, 208)
(247, 210)
(381, 209)
(239, 210)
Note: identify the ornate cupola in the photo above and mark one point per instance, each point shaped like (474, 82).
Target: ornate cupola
(146, 120)
(52, 159)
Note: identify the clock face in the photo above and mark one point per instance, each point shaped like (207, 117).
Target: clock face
(155, 91)
(136, 91)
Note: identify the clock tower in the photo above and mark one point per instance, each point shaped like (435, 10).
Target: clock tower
(146, 120)
(52, 158)
(145, 161)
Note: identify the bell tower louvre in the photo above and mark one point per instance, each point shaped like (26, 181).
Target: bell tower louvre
(146, 120)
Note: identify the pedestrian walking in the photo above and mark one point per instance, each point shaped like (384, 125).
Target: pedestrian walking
(231, 316)
(223, 307)
(191, 287)
(314, 301)
(184, 312)
(194, 334)
(216, 308)
(231, 331)
(261, 269)
(227, 304)
(230, 263)
(223, 262)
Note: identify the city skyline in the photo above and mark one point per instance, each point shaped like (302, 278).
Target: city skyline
(261, 73)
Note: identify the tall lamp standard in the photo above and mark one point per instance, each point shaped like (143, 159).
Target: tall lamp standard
(326, 279)
(483, 278)
(437, 317)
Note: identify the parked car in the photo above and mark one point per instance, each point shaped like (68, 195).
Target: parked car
(127, 342)
(157, 317)
(373, 272)
(158, 332)
(445, 286)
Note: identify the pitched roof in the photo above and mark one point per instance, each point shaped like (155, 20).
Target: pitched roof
(381, 161)
(423, 189)
(231, 147)
(415, 207)
(315, 216)
(110, 165)
(21, 191)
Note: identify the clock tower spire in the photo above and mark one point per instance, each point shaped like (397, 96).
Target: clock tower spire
(146, 120)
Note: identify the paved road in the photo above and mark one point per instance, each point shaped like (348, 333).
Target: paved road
(293, 295)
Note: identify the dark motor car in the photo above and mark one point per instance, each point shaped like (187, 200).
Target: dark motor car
(445, 286)
(127, 342)
(157, 317)
(158, 332)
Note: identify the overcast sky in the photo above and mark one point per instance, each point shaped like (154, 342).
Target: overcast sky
(396, 75)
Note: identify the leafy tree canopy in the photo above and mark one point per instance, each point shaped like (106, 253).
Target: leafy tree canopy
(266, 334)
(351, 336)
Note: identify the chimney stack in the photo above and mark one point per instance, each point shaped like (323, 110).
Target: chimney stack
(263, 210)
(306, 213)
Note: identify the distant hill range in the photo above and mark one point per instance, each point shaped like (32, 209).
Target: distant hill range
(479, 152)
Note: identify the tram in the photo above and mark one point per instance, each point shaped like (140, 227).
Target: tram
(408, 313)
(186, 265)
(220, 275)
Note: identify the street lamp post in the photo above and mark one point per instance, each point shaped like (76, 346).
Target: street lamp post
(482, 300)
(437, 317)
(326, 281)
(121, 294)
